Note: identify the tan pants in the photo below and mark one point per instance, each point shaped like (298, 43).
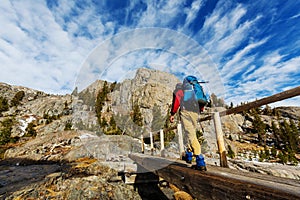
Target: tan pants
(189, 122)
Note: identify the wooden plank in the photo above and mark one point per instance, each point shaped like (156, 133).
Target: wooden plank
(218, 182)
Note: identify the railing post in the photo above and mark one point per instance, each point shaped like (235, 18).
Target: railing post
(162, 142)
(143, 145)
(151, 143)
(220, 139)
(180, 140)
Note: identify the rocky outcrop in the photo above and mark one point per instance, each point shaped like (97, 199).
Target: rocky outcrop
(290, 112)
(9, 91)
(147, 89)
(274, 169)
(72, 165)
(84, 178)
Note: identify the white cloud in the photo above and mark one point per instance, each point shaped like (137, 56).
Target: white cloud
(267, 79)
(191, 13)
(39, 52)
(160, 13)
(223, 30)
(240, 61)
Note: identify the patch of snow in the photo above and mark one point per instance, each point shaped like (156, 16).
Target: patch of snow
(87, 136)
(24, 123)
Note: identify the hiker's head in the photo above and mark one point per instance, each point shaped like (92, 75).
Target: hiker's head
(178, 86)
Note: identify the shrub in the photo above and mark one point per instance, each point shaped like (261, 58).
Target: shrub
(17, 98)
(30, 131)
(230, 153)
(5, 131)
(68, 125)
(3, 104)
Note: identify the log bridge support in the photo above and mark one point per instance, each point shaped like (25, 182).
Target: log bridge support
(219, 182)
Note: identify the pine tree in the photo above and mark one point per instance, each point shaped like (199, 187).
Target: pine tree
(290, 140)
(137, 117)
(4, 106)
(273, 152)
(276, 133)
(68, 125)
(103, 123)
(100, 100)
(282, 157)
(30, 131)
(5, 131)
(113, 129)
(260, 127)
(267, 110)
(293, 136)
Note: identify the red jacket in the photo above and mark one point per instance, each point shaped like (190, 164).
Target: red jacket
(177, 97)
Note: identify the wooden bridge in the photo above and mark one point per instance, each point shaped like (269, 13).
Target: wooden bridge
(220, 182)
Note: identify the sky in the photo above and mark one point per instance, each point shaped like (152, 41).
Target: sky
(247, 50)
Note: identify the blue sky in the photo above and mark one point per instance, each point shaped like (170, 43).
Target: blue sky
(246, 49)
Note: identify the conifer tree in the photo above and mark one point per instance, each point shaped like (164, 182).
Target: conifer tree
(30, 131)
(137, 117)
(293, 136)
(5, 131)
(273, 152)
(100, 100)
(260, 127)
(277, 134)
(4, 106)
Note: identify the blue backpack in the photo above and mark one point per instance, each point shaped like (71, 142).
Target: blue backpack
(194, 96)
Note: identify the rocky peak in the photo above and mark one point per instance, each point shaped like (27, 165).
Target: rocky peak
(147, 88)
(147, 76)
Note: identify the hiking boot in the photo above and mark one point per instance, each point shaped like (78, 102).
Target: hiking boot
(188, 157)
(200, 163)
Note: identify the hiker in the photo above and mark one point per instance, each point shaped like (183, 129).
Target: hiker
(189, 110)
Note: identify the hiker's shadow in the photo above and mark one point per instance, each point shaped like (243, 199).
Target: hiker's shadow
(147, 185)
(18, 173)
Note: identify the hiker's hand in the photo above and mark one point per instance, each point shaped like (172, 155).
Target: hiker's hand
(171, 118)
